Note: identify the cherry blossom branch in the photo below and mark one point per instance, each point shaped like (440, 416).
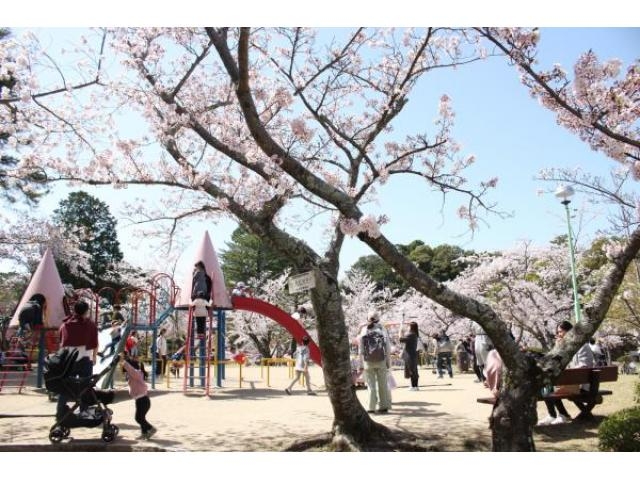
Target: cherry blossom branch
(96, 81)
(202, 131)
(198, 60)
(591, 184)
(68, 123)
(517, 54)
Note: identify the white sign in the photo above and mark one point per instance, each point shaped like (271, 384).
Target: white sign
(302, 282)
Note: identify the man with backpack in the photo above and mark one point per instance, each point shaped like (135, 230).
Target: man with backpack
(374, 355)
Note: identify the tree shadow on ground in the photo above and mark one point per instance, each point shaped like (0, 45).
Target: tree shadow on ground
(255, 394)
(569, 436)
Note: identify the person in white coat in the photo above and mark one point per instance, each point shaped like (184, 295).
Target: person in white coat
(482, 345)
(302, 356)
(161, 350)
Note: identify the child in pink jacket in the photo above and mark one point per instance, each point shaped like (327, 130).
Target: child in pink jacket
(139, 392)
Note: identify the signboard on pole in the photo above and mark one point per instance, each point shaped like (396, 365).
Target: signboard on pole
(300, 283)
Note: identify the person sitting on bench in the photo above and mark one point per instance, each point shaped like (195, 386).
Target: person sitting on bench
(582, 358)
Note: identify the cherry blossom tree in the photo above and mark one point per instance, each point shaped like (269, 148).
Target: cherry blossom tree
(257, 333)
(257, 123)
(23, 242)
(361, 295)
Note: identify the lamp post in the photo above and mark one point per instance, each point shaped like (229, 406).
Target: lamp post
(564, 193)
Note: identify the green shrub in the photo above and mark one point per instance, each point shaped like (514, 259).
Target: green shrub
(621, 431)
(637, 392)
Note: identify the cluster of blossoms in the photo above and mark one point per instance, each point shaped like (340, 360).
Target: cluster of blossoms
(367, 224)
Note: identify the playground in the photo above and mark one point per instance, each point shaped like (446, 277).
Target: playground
(260, 418)
(208, 402)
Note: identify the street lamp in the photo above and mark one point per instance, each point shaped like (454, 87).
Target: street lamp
(564, 193)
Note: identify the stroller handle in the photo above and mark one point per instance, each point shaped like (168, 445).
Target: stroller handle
(106, 369)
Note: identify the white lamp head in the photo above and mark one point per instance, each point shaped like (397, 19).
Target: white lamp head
(564, 193)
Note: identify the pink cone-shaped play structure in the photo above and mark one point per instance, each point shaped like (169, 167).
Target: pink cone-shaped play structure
(207, 254)
(46, 280)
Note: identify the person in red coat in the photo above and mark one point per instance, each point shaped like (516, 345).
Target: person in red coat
(80, 334)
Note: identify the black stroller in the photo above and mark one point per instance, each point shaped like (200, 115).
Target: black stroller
(78, 389)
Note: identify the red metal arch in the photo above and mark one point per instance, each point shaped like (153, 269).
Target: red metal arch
(252, 304)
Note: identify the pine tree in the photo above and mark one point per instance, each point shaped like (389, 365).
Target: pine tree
(89, 218)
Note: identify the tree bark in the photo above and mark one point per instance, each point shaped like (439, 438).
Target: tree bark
(261, 344)
(353, 428)
(515, 413)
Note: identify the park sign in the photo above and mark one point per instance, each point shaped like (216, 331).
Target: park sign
(302, 282)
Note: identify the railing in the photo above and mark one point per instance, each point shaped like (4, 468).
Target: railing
(267, 362)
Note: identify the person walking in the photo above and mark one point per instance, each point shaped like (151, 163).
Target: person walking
(139, 392)
(374, 351)
(462, 356)
(161, 350)
(493, 372)
(410, 354)
(444, 350)
(482, 345)
(131, 344)
(302, 356)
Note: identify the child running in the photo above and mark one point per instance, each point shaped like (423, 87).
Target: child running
(138, 391)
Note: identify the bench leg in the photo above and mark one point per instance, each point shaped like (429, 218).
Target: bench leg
(585, 409)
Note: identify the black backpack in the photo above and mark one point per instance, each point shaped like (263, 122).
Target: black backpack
(374, 346)
(201, 283)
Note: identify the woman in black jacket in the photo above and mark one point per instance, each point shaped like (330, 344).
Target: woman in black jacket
(410, 355)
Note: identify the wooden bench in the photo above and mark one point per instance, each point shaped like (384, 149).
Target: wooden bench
(585, 401)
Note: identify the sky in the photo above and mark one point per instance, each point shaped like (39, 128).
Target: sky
(511, 136)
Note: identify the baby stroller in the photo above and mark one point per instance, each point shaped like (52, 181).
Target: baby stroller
(78, 389)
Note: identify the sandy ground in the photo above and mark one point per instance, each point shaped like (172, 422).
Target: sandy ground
(258, 416)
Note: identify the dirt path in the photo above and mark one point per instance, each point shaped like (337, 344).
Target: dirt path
(258, 417)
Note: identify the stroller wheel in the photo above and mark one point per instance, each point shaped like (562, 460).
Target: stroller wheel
(109, 433)
(56, 435)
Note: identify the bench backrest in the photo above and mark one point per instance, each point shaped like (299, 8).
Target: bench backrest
(577, 376)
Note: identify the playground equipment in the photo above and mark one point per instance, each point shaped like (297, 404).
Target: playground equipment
(204, 353)
(143, 304)
(252, 304)
(16, 363)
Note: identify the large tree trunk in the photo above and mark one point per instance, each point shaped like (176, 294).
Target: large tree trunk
(353, 429)
(515, 413)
